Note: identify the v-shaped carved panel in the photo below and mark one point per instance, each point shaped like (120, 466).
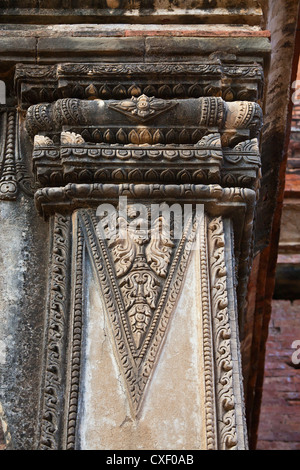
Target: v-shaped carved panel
(140, 277)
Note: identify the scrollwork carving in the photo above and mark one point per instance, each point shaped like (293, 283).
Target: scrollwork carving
(42, 141)
(56, 336)
(71, 138)
(222, 336)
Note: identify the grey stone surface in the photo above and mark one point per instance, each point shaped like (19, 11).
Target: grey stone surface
(13, 50)
(23, 282)
(95, 49)
(190, 48)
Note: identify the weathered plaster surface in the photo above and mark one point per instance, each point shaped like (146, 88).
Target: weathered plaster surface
(173, 413)
(21, 316)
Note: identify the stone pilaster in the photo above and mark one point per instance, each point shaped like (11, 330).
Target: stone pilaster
(141, 344)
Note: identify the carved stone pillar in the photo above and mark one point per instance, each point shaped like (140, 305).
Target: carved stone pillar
(141, 346)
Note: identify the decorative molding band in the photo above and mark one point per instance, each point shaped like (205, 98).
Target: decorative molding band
(222, 336)
(36, 84)
(202, 112)
(56, 337)
(75, 342)
(134, 69)
(8, 179)
(208, 352)
(73, 196)
(206, 162)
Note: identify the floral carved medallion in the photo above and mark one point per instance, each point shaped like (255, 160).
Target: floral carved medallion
(142, 108)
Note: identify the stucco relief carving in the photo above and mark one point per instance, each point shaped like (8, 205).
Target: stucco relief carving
(138, 336)
(231, 81)
(124, 139)
(146, 274)
(202, 112)
(141, 263)
(15, 177)
(222, 335)
(143, 107)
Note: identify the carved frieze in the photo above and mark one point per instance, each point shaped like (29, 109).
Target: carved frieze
(206, 162)
(75, 161)
(231, 81)
(205, 113)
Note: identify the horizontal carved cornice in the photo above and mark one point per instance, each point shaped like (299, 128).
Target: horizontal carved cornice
(77, 195)
(206, 162)
(210, 77)
(202, 112)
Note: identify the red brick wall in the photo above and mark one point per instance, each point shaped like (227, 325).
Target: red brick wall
(279, 426)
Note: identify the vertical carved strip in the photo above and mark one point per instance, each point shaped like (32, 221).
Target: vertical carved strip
(222, 337)
(108, 286)
(52, 400)
(25, 180)
(75, 344)
(8, 183)
(207, 345)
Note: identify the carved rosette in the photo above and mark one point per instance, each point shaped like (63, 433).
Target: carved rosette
(142, 108)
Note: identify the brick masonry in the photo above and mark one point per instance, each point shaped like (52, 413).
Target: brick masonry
(279, 422)
(279, 426)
